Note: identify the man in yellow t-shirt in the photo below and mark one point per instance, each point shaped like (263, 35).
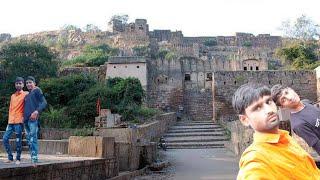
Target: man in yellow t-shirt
(273, 153)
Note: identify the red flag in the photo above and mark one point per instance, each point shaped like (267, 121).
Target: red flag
(98, 105)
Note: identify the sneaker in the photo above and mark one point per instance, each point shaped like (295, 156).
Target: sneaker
(8, 161)
(18, 162)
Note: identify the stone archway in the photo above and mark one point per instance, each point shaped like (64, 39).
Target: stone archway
(251, 65)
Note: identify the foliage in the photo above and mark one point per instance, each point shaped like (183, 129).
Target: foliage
(302, 28)
(82, 109)
(146, 112)
(85, 131)
(247, 44)
(28, 58)
(69, 27)
(161, 54)
(92, 56)
(170, 56)
(6, 89)
(210, 42)
(60, 91)
(298, 55)
(123, 18)
(55, 118)
(141, 50)
(122, 96)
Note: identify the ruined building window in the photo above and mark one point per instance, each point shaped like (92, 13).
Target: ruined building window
(245, 68)
(257, 68)
(138, 67)
(251, 68)
(114, 66)
(209, 77)
(187, 77)
(140, 28)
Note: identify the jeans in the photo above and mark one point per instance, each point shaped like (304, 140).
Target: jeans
(17, 128)
(32, 128)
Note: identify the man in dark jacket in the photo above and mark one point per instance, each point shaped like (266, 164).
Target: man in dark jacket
(34, 104)
(304, 117)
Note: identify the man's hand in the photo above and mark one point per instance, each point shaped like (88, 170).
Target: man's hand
(34, 115)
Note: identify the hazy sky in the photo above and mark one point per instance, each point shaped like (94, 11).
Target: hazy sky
(193, 17)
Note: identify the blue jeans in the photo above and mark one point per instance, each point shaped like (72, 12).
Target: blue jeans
(17, 128)
(31, 127)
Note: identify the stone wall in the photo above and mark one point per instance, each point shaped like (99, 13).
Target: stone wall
(142, 133)
(56, 134)
(45, 146)
(125, 67)
(135, 156)
(226, 83)
(165, 84)
(85, 169)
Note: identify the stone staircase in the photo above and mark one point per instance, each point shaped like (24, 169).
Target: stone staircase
(196, 135)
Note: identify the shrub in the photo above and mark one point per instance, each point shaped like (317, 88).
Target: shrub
(123, 96)
(86, 131)
(55, 118)
(83, 108)
(60, 91)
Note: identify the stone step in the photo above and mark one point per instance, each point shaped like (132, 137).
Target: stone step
(199, 121)
(195, 134)
(196, 124)
(195, 130)
(196, 139)
(194, 127)
(196, 145)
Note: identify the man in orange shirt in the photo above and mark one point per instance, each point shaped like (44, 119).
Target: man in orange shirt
(15, 122)
(273, 153)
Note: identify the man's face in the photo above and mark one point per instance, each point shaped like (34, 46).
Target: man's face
(289, 98)
(19, 85)
(262, 115)
(30, 84)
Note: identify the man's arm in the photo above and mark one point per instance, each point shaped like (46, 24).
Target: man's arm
(307, 134)
(42, 101)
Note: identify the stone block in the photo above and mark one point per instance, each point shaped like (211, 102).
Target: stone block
(91, 146)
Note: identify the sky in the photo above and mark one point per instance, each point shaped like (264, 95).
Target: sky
(192, 17)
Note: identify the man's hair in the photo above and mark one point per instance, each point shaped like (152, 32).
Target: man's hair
(276, 92)
(19, 79)
(246, 94)
(31, 78)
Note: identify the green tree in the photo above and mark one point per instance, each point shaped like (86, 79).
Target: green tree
(60, 91)
(298, 55)
(92, 56)
(28, 58)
